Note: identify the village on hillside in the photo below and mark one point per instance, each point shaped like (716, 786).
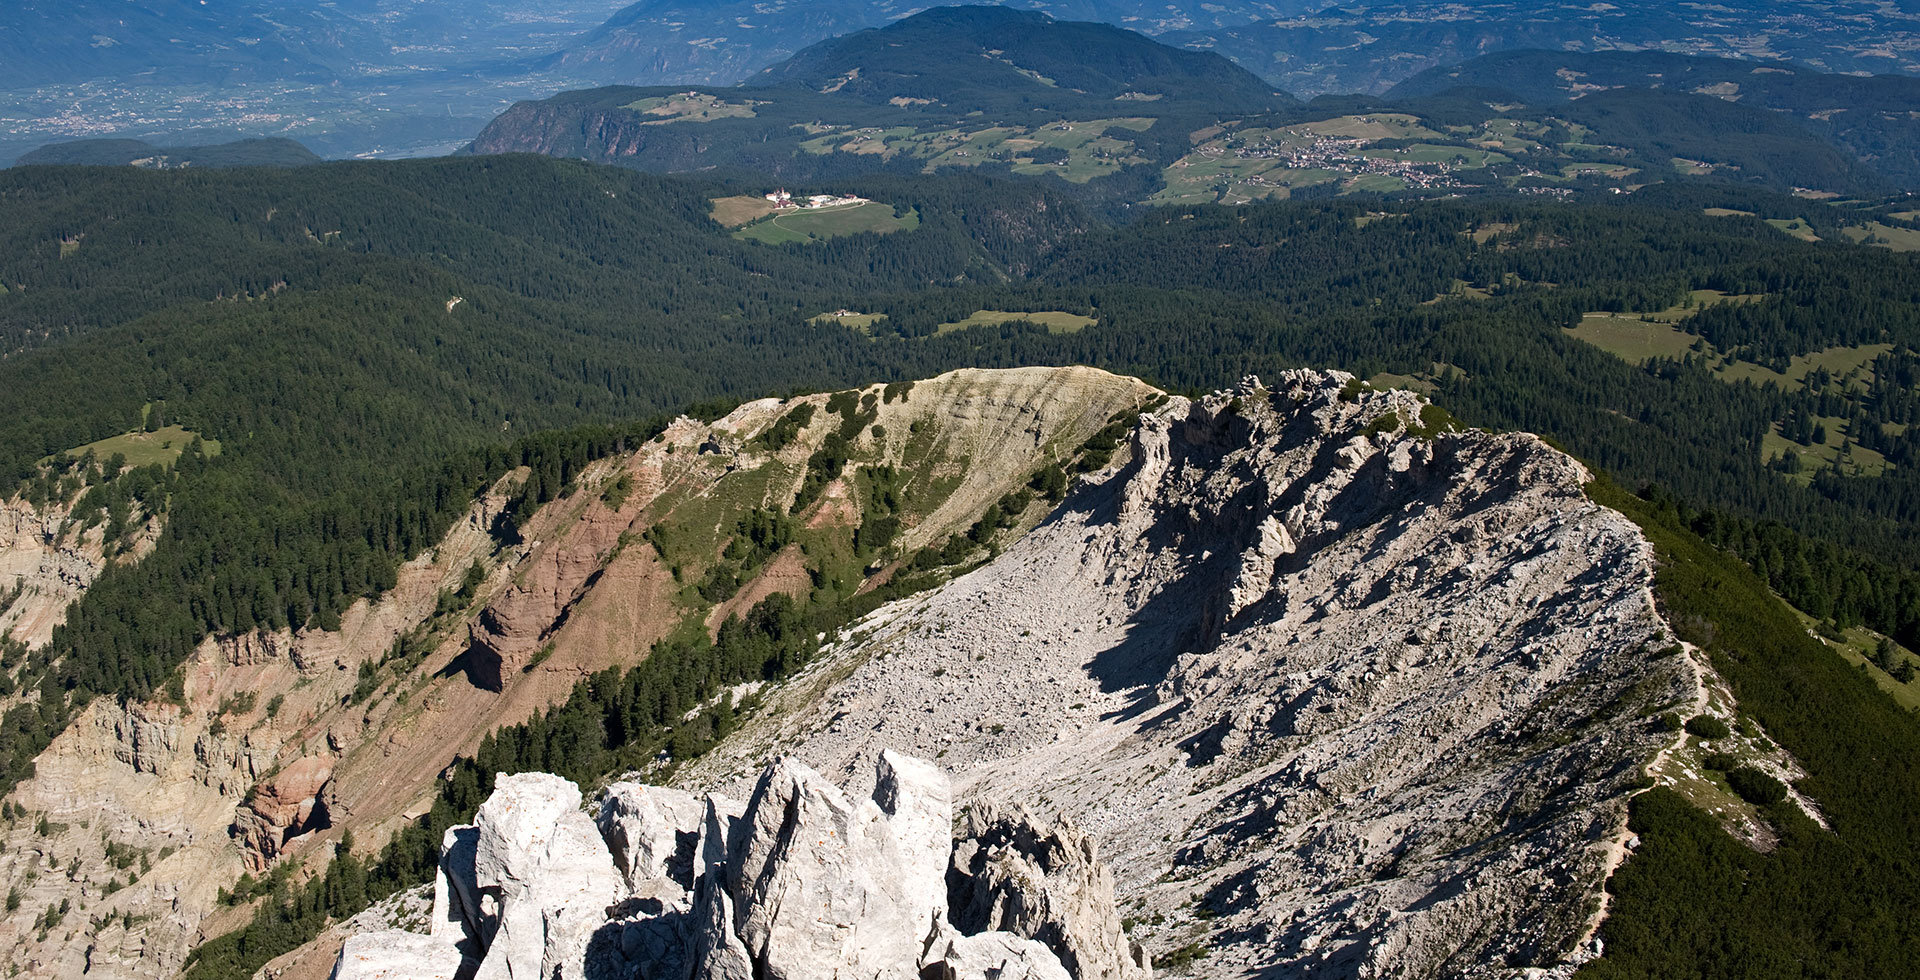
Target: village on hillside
(782, 200)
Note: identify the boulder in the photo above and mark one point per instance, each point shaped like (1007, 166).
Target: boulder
(871, 907)
(652, 832)
(395, 955)
(537, 853)
(1015, 873)
(994, 956)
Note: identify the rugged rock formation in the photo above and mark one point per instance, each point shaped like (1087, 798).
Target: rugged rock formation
(154, 777)
(804, 883)
(144, 799)
(1014, 874)
(51, 564)
(297, 800)
(1335, 689)
(1332, 688)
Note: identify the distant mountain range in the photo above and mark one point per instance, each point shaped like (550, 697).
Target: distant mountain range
(1367, 47)
(995, 89)
(1308, 47)
(176, 41)
(988, 54)
(358, 77)
(953, 87)
(718, 42)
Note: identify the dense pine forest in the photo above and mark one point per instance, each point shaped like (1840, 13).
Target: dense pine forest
(370, 345)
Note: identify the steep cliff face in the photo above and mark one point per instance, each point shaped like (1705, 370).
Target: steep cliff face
(1334, 688)
(153, 808)
(288, 739)
(51, 562)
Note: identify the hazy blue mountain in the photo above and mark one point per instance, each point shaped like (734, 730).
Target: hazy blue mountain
(664, 42)
(231, 41)
(199, 41)
(985, 54)
(1370, 46)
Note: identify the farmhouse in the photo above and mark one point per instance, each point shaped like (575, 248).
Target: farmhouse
(782, 200)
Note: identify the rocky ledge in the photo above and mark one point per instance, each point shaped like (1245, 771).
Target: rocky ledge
(800, 883)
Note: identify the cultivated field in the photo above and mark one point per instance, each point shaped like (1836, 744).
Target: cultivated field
(812, 225)
(1089, 151)
(1632, 339)
(1638, 337)
(1885, 236)
(1797, 227)
(736, 211)
(691, 107)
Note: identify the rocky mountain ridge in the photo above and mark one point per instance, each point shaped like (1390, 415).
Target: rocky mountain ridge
(1336, 686)
(286, 740)
(1337, 689)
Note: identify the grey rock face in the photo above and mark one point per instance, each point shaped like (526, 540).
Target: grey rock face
(458, 918)
(870, 880)
(802, 883)
(395, 955)
(1338, 691)
(542, 864)
(995, 956)
(652, 832)
(1012, 873)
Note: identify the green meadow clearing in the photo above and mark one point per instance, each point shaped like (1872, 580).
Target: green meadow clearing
(1055, 321)
(809, 225)
(163, 445)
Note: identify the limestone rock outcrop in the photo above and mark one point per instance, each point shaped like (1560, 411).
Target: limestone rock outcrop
(297, 800)
(1339, 689)
(1012, 873)
(802, 883)
(653, 832)
(995, 956)
(395, 955)
(542, 865)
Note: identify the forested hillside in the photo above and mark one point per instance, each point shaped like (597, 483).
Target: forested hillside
(366, 341)
(992, 90)
(1866, 116)
(111, 152)
(370, 344)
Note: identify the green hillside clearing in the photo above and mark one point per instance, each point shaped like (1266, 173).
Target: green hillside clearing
(1056, 321)
(821, 223)
(162, 445)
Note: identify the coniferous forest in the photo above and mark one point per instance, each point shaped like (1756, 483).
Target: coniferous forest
(370, 345)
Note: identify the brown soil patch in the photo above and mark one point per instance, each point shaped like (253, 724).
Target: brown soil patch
(787, 572)
(836, 507)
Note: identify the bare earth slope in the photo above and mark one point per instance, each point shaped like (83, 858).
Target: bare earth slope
(1335, 696)
(288, 739)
